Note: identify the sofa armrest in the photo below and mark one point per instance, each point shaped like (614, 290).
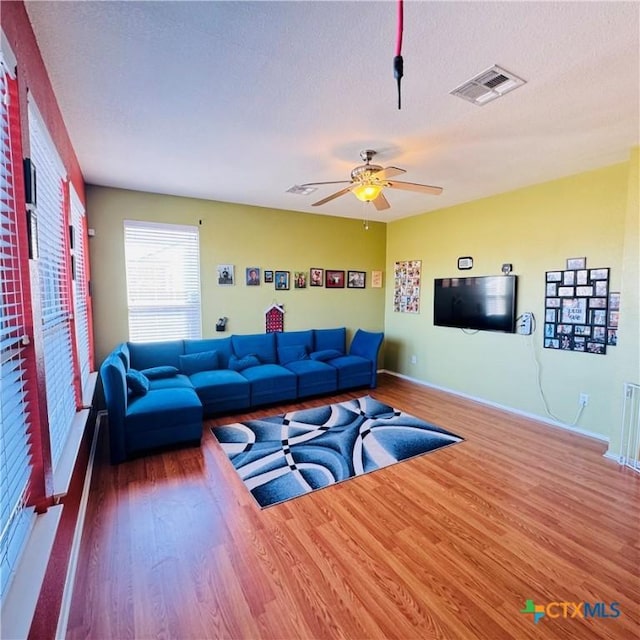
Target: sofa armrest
(366, 344)
(114, 384)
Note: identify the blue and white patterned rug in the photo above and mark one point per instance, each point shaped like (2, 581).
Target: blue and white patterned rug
(285, 456)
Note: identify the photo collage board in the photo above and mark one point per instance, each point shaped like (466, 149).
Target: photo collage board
(581, 313)
(406, 291)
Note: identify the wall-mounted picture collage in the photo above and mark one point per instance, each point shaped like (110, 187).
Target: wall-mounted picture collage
(314, 277)
(581, 313)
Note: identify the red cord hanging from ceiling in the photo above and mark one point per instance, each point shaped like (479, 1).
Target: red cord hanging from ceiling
(398, 63)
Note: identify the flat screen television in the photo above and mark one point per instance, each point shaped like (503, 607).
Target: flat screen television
(487, 303)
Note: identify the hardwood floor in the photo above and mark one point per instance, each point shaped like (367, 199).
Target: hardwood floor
(447, 545)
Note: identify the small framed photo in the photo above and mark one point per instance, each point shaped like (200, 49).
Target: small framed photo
(465, 262)
(356, 279)
(569, 278)
(253, 276)
(334, 279)
(268, 276)
(300, 279)
(225, 274)
(282, 280)
(576, 263)
(32, 234)
(614, 317)
(612, 337)
(565, 291)
(376, 279)
(594, 347)
(601, 288)
(599, 274)
(554, 276)
(581, 276)
(574, 310)
(614, 300)
(316, 278)
(585, 291)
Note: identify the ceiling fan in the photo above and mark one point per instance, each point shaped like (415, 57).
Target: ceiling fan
(368, 180)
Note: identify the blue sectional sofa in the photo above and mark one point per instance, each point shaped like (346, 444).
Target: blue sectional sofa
(158, 393)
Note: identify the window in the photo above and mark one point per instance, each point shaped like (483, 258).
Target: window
(78, 235)
(15, 464)
(55, 290)
(163, 281)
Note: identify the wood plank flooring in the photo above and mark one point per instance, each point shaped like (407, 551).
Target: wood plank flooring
(448, 545)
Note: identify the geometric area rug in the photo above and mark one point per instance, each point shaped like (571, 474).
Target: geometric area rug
(289, 455)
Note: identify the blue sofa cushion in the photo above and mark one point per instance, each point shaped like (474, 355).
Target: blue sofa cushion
(271, 383)
(122, 351)
(144, 355)
(292, 353)
(164, 408)
(137, 382)
(262, 345)
(366, 344)
(195, 362)
(314, 377)
(220, 386)
(221, 345)
(325, 354)
(294, 338)
(353, 371)
(155, 373)
(173, 382)
(240, 364)
(330, 339)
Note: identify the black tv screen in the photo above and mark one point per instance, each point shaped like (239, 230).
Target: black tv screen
(487, 303)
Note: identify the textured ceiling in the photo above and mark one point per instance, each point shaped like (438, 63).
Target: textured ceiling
(238, 101)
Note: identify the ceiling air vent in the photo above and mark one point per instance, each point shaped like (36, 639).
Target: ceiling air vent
(300, 190)
(488, 85)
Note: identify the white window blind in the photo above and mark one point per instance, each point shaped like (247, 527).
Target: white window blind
(53, 247)
(163, 281)
(15, 464)
(80, 285)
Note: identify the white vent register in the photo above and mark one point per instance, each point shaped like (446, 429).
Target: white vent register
(487, 86)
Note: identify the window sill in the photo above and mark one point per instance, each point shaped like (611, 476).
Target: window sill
(64, 469)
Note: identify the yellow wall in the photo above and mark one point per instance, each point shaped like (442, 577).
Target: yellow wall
(594, 214)
(243, 236)
(536, 229)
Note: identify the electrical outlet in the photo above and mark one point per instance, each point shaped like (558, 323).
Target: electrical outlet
(524, 323)
(414, 359)
(584, 399)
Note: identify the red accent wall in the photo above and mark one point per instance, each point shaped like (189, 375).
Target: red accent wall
(32, 75)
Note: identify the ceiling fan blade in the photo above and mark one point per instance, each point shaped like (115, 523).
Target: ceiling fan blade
(337, 194)
(381, 203)
(315, 184)
(412, 186)
(388, 172)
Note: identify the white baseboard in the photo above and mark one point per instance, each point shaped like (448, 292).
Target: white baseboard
(65, 606)
(496, 405)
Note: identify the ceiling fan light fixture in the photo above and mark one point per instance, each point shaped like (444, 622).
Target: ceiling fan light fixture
(367, 192)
